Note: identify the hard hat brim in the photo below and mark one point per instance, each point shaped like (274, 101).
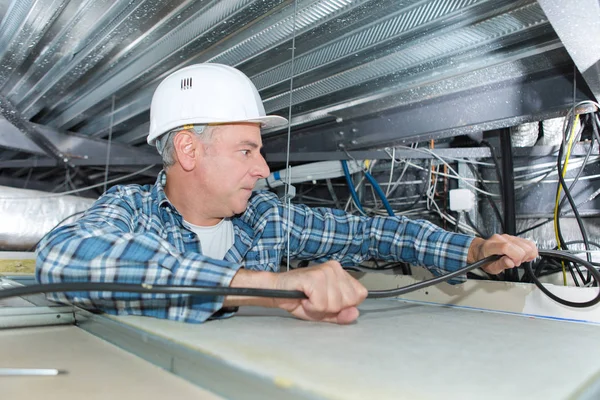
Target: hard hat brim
(270, 121)
(266, 122)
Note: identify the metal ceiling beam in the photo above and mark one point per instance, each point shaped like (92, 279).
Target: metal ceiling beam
(578, 27)
(25, 127)
(13, 138)
(77, 149)
(136, 135)
(477, 109)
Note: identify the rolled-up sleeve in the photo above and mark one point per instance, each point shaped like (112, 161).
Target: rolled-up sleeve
(321, 234)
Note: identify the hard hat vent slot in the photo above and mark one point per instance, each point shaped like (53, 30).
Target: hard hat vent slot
(186, 83)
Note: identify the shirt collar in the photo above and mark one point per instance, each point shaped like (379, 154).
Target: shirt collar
(159, 190)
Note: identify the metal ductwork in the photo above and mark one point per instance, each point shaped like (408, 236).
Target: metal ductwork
(525, 135)
(553, 131)
(27, 215)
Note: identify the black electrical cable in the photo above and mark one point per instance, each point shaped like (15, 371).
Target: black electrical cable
(495, 161)
(508, 193)
(472, 225)
(597, 245)
(488, 197)
(566, 257)
(583, 165)
(220, 290)
(581, 241)
(561, 151)
(457, 222)
(567, 191)
(293, 294)
(547, 221)
(596, 121)
(534, 227)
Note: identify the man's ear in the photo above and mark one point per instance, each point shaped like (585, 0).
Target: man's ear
(185, 145)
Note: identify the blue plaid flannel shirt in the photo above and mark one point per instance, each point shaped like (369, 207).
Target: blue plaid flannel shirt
(132, 234)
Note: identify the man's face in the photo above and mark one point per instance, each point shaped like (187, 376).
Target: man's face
(229, 167)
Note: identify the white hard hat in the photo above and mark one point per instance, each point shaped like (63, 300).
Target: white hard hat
(206, 94)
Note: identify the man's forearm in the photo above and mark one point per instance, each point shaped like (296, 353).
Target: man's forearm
(251, 279)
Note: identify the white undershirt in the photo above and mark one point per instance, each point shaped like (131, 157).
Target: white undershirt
(215, 240)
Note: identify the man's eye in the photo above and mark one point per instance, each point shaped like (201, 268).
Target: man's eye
(245, 152)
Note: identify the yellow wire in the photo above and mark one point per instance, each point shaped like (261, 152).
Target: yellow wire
(563, 173)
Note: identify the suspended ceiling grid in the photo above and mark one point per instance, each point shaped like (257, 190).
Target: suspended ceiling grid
(379, 71)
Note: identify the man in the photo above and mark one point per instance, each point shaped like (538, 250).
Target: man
(201, 224)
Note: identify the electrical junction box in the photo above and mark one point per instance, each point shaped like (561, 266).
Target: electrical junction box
(461, 200)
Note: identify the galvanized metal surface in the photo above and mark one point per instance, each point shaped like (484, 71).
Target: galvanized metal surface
(578, 24)
(502, 104)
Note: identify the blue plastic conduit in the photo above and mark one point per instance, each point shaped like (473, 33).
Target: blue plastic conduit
(380, 193)
(351, 186)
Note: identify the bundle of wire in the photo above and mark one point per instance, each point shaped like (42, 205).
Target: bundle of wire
(573, 130)
(228, 291)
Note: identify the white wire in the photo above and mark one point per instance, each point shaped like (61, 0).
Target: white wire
(577, 163)
(458, 177)
(80, 189)
(351, 200)
(550, 165)
(583, 178)
(287, 161)
(392, 165)
(445, 157)
(462, 179)
(110, 129)
(403, 171)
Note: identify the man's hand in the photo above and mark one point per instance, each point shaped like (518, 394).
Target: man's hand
(332, 293)
(515, 251)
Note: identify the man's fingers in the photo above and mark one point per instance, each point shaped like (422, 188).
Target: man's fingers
(498, 266)
(347, 316)
(531, 251)
(332, 292)
(343, 317)
(517, 249)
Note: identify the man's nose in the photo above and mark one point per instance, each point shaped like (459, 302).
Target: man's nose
(262, 169)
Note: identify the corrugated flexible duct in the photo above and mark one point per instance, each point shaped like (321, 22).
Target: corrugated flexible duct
(525, 135)
(27, 215)
(553, 131)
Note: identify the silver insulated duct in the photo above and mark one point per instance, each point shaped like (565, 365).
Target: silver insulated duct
(27, 215)
(525, 135)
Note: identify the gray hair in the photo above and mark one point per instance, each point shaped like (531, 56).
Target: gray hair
(166, 147)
